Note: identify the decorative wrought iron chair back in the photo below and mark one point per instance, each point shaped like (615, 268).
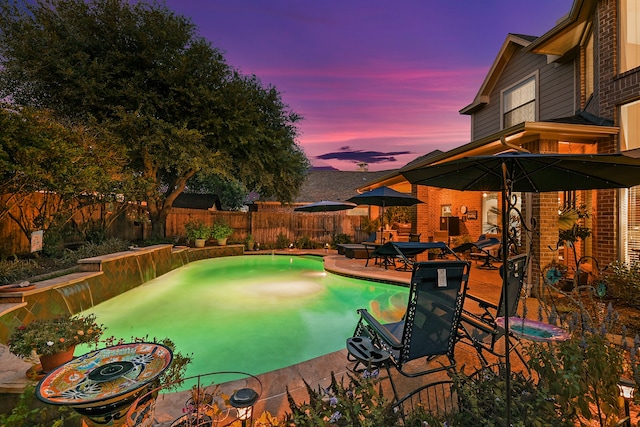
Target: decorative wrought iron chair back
(516, 272)
(480, 329)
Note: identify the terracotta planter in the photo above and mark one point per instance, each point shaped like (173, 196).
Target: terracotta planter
(199, 243)
(50, 362)
(222, 242)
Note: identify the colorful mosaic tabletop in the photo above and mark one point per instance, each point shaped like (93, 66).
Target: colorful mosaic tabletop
(104, 376)
(534, 330)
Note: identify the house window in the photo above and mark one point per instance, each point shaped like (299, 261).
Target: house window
(630, 126)
(519, 103)
(629, 35)
(588, 68)
(490, 213)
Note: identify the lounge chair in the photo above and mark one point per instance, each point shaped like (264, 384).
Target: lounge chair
(429, 329)
(484, 247)
(478, 327)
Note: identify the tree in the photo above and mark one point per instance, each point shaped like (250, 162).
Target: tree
(231, 192)
(140, 72)
(70, 165)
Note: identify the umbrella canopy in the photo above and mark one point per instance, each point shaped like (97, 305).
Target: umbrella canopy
(384, 196)
(326, 206)
(531, 172)
(526, 172)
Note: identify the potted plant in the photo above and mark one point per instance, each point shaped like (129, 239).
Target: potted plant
(54, 340)
(571, 230)
(432, 254)
(221, 231)
(250, 242)
(198, 232)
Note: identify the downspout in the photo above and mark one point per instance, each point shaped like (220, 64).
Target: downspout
(504, 142)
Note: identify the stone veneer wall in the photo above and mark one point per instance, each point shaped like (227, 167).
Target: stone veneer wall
(99, 279)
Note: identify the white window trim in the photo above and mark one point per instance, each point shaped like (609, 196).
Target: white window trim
(536, 75)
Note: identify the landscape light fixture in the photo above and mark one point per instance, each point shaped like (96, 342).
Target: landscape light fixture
(627, 389)
(243, 400)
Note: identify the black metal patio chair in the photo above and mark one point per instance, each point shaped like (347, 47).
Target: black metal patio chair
(428, 331)
(479, 329)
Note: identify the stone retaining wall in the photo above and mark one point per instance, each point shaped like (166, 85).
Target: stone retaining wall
(100, 278)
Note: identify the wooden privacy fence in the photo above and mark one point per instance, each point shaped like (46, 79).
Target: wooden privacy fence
(267, 226)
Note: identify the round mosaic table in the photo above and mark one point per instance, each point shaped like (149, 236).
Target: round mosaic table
(534, 330)
(101, 385)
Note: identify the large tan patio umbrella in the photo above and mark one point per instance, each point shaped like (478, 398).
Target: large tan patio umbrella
(526, 172)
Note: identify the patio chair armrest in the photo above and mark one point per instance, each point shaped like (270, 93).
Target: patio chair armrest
(476, 322)
(380, 330)
(482, 303)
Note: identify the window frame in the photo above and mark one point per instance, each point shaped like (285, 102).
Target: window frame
(509, 89)
(624, 128)
(623, 24)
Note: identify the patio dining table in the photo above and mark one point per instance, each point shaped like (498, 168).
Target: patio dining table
(406, 252)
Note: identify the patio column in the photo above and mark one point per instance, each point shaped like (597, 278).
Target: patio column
(544, 208)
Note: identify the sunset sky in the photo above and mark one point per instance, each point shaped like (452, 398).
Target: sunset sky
(376, 81)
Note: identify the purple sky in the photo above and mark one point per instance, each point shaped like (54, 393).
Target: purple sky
(376, 81)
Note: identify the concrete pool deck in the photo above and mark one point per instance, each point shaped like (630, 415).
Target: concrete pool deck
(485, 283)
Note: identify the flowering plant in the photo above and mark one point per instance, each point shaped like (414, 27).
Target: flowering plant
(50, 336)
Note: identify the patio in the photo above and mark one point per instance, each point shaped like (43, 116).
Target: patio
(482, 282)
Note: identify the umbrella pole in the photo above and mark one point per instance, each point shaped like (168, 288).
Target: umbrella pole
(382, 223)
(506, 195)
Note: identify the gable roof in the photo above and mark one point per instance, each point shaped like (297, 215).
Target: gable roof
(568, 33)
(197, 201)
(334, 185)
(512, 44)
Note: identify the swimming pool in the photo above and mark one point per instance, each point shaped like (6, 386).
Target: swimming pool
(252, 313)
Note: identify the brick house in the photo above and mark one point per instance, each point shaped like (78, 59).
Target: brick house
(575, 89)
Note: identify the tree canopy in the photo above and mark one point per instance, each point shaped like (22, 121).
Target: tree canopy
(141, 74)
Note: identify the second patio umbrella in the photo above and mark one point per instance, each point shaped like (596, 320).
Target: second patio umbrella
(383, 197)
(325, 206)
(526, 172)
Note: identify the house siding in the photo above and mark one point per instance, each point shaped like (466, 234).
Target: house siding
(556, 93)
(556, 90)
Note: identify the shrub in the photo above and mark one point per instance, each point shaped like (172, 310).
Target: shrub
(624, 282)
(282, 241)
(12, 271)
(305, 242)
(583, 372)
(356, 404)
(482, 398)
(29, 411)
(340, 239)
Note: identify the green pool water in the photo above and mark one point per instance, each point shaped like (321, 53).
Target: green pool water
(251, 314)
